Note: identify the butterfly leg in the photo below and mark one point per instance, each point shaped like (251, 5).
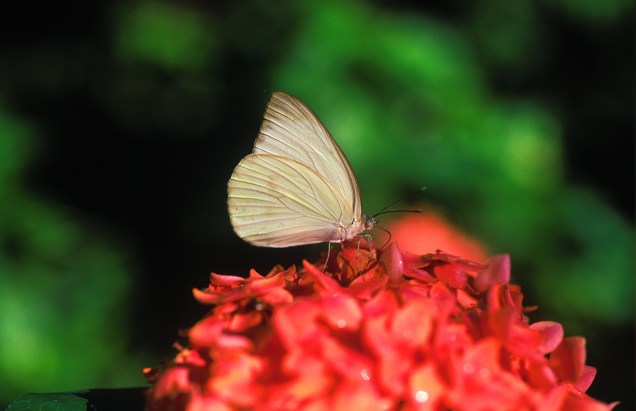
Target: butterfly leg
(328, 254)
(358, 256)
(369, 240)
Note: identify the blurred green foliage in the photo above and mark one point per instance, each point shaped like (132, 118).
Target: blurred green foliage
(64, 287)
(165, 35)
(442, 97)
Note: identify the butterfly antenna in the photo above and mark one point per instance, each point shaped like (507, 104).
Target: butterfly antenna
(383, 210)
(417, 210)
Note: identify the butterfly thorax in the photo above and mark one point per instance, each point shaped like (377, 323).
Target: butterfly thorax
(357, 226)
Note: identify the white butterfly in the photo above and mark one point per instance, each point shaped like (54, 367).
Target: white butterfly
(297, 186)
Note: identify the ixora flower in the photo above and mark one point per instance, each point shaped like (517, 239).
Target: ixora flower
(373, 329)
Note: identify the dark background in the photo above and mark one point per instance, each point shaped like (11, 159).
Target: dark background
(120, 124)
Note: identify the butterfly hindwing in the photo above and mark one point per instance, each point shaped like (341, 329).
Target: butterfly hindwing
(278, 202)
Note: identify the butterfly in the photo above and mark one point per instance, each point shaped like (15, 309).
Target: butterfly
(296, 187)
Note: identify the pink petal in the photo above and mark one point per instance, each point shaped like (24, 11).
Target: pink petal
(393, 263)
(586, 378)
(233, 342)
(552, 333)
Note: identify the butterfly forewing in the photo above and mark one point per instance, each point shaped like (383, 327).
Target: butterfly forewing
(290, 129)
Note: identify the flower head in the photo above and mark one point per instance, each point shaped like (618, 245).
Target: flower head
(374, 329)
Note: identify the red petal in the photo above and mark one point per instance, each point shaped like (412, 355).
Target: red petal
(296, 324)
(262, 285)
(345, 361)
(206, 402)
(465, 300)
(384, 302)
(484, 385)
(579, 401)
(451, 274)
(226, 280)
(413, 323)
(206, 297)
(426, 388)
(233, 375)
(323, 284)
(206, 332)
(351, 396)
(568, 359)
(420, 275)
(497, 272)
(368, 284)
(539, 375)
(353, 261)
(341, 313)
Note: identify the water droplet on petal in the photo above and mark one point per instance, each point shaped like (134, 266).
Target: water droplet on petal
(365, 374)
(341, 323)
(421, 396)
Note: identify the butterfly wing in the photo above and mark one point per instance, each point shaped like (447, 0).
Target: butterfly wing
(290, 129)
(297, 187)
(277, 201)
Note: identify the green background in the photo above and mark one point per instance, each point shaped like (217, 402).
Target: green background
(121, 122)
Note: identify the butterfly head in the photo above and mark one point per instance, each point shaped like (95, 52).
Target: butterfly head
(368, 221)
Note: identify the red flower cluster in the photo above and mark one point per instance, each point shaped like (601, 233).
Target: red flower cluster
(374, 329)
